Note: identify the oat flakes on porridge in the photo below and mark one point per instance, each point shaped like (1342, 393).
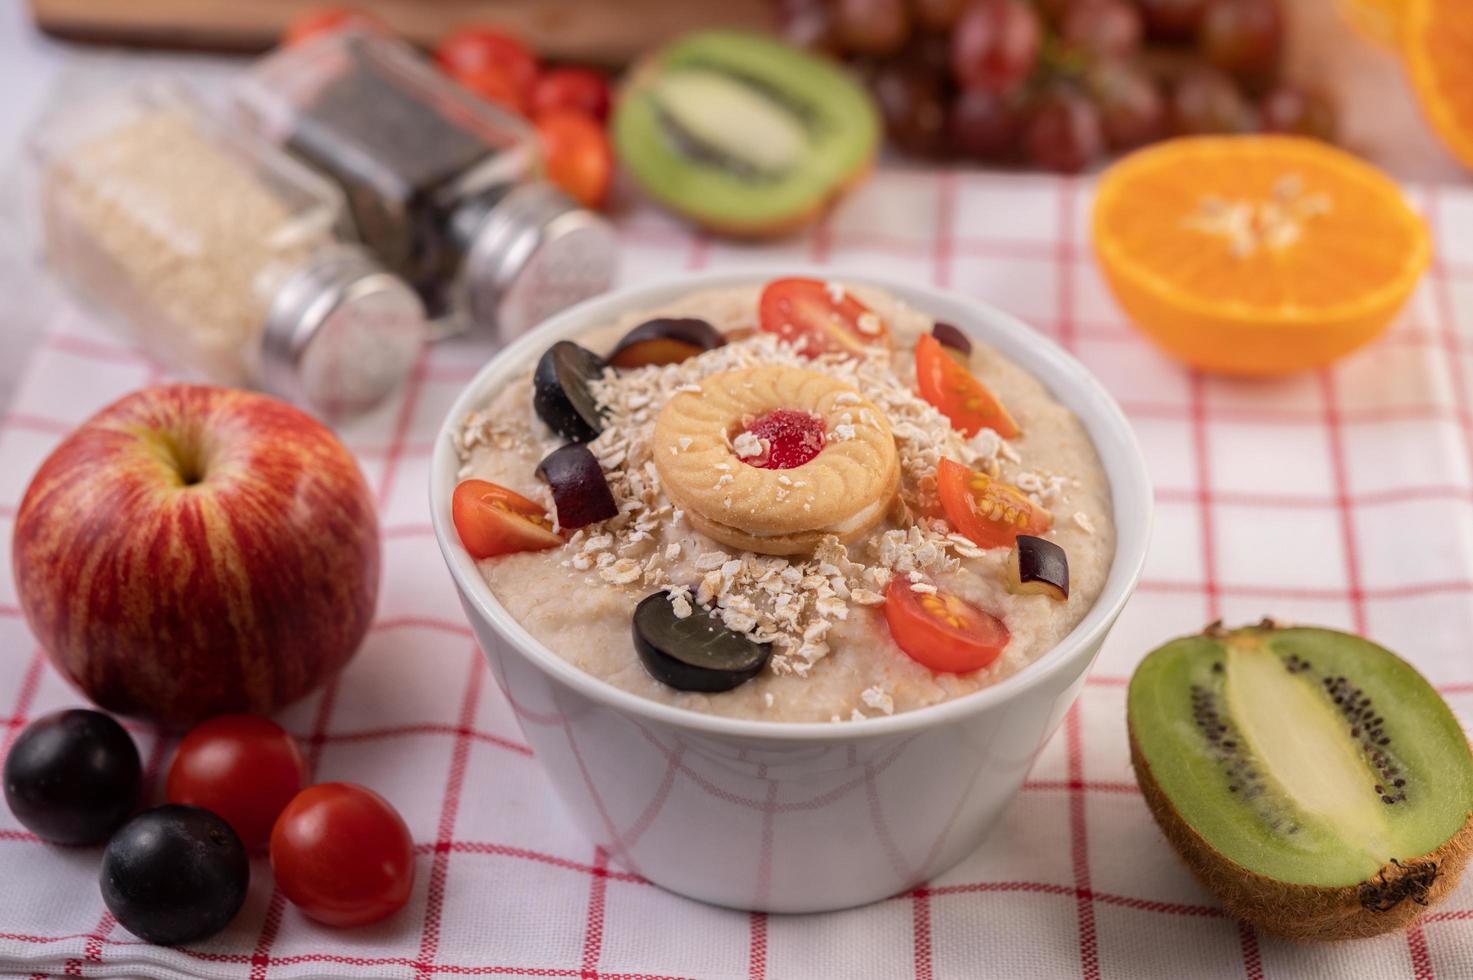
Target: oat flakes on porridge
(798, 501)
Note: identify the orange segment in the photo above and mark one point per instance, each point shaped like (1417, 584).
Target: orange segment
(1256, 254)
(1437, 45)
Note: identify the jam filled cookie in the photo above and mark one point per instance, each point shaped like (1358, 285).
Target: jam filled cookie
(773, 459)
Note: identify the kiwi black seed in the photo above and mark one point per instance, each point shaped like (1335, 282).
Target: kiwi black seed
(743, 134)
(1314, 781)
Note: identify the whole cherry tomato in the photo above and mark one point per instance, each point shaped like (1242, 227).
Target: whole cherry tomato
(325, 20)
(576, 152)
(579, 89)
(243, 768)
(342, 855)
(468, 50)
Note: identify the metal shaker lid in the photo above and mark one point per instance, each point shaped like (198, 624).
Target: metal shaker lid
(534, 253)
(341, 333)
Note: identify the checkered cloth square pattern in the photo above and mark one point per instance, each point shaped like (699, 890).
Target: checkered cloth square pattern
(1342, 497)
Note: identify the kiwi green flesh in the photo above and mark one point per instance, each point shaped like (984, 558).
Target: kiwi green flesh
(739, 130)
(1243, 736)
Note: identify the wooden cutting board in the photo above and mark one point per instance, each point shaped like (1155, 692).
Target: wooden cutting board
(608, 32)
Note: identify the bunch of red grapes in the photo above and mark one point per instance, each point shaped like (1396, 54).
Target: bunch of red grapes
(1062, 83)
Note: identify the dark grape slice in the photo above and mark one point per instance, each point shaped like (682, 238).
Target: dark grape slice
(560, 391)
(1038, 565)
(579, 490)
(175, 874)
(660, 342)
(697, 653)
(951, 338)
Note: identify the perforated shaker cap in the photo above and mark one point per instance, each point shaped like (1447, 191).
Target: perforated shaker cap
(534, 253)
(341, 334)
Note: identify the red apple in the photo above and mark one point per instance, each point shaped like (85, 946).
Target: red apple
(192, 551)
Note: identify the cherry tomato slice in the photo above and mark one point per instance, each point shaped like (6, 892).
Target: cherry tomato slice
(325, 20)
(817, 319)
(243, 768)
(496, 86)
(342, 855)
(577, 89)
(967, 402)
(940, 631)
(576, 152)
(492, 520)
(468, 50)
(989, 512)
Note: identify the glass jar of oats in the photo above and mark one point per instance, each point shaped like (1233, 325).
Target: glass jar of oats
(220, 254)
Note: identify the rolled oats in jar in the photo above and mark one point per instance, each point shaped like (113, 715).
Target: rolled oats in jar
(221, 255)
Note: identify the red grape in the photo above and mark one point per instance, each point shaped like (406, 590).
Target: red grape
(983, 125)
(1242, 36)
(808, 24)
(1132, 109)
(995, 45)
(913, 104)
(1064, 132)
(1207, 101)
(940, 15)
(1292, 110)
(1104, 28)
(872, 26)
(1172, 20)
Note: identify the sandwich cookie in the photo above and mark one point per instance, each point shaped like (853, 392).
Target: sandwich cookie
(774, 459)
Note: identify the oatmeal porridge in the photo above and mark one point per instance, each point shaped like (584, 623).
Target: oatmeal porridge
(793, 501)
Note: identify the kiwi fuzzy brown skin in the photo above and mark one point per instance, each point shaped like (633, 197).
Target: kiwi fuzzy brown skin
(1400, 897)
(1391, 900)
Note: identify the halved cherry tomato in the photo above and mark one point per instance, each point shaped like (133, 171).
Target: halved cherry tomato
(492, 520)
(342, 855)
(941, 631)
(243, 768)
(817, 319)
(576, 152)
(495, 85)
(967, 402)
(989, 512)
(468, 50)
(579, 89)
(325, 20)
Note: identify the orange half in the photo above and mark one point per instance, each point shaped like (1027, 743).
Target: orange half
(1437, 46)
(1256, 254)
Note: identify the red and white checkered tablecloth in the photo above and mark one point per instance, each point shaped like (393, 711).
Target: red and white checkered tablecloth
(1342, 498)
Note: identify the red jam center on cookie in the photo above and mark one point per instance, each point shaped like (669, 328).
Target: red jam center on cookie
(791, 439)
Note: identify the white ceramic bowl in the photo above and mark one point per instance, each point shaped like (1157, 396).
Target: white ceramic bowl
(793, 817)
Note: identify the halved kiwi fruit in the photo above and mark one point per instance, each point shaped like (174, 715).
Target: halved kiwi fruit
(742, 134)
(1312, 780)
